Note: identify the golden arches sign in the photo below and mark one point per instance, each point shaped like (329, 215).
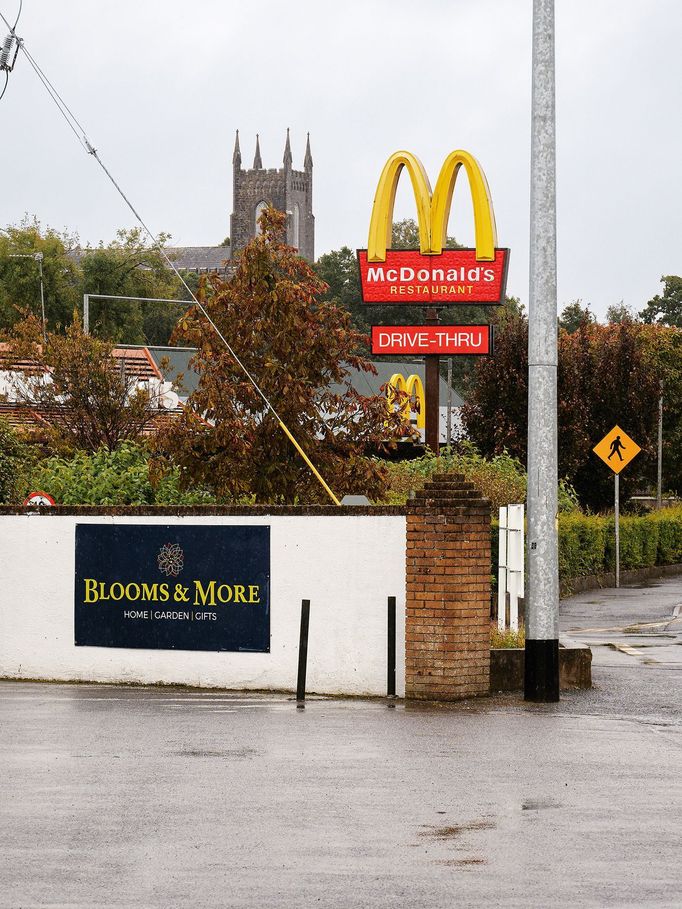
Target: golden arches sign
(413, 388)
(433, 209)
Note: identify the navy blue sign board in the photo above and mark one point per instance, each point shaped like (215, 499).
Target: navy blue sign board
(171, 587)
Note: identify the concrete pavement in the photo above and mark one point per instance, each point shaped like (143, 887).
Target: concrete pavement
(116, 797)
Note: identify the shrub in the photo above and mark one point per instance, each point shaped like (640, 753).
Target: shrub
(120, 477)
(669, 523)
(506, 639)
(582, 542)
(16, 458)
(587, 542)
(501, 479)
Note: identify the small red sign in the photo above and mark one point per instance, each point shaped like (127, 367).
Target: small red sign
(39, 498)
(431, 339)
(455, 277)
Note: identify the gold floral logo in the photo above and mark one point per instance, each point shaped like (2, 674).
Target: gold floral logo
(171, 559)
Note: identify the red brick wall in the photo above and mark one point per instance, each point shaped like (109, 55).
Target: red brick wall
(447, 629)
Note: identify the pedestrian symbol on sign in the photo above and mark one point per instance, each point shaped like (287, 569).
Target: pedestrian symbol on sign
(616, 448)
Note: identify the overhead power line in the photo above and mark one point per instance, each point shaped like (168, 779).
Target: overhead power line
(80, 134)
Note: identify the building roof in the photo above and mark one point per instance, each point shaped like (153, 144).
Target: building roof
(137, 361)
(199, 258)
(35, 420)
(173, 361)
(368, 384)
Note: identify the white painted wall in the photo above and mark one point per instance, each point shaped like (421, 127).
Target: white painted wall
(346, 566)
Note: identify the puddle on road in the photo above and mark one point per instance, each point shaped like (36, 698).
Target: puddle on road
(539, 804)
(227, 753)
(455, 830)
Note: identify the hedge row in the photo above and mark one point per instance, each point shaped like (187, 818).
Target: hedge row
(587, 543)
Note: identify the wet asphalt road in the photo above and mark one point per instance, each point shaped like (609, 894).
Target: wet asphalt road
(165, 798)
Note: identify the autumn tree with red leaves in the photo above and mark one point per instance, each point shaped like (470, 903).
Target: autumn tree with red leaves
(608, 375)
(299, 349)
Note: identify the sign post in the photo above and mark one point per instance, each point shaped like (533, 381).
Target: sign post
(617, 445)
(432, 392)
(616, 514)
(449, 405)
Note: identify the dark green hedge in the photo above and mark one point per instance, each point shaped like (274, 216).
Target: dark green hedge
(587, 543)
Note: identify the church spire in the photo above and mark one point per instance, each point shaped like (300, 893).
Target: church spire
(308, 160)
(237, 155)
(257, 161)
(287, 153)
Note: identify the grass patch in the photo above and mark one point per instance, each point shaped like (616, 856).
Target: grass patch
(508, 639)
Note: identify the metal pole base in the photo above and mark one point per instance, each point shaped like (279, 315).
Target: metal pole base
(541, 682)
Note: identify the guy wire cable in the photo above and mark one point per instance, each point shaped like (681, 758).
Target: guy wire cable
(76, 127)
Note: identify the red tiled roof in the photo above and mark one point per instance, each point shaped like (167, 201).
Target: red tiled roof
(35, 420)
(137, 361)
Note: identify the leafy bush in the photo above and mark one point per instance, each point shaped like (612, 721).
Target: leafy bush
(16, 458)
(120, 477)
(502, 479)
(669, 525)
(582, 545)
(587, 542)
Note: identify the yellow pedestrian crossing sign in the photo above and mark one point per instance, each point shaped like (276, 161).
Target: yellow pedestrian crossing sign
(616, 449)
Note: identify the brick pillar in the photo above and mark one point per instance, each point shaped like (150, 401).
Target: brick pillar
(447, 628)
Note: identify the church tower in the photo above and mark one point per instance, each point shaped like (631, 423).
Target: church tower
(286, 189)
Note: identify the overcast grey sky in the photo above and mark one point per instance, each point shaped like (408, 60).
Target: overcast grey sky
(161, 86)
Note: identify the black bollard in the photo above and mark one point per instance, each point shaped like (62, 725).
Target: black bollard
(303, 653)
(390, 680)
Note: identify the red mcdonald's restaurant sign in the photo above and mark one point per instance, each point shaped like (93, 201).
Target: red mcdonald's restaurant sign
(431, 339)
(455, 276)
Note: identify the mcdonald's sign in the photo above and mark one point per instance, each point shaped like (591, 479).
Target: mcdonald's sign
(432, 275)
(413, 388)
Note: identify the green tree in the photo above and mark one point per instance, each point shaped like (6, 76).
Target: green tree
(20, 277)
(574, 315)
(15, 461)
(666, 308)
(299, 348)
(339, 270)
(619, 312)
(129, 266)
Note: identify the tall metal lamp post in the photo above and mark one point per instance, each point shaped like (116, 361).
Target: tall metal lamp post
(542, 607)
(37, 257)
